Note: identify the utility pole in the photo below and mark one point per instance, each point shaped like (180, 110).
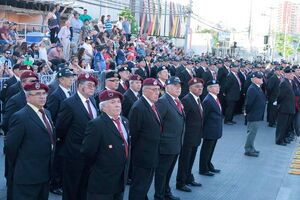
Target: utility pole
(250, 26)
(188, 25)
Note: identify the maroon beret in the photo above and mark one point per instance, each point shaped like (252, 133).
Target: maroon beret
(195, 80)
(151, 82)
(87, 77)
(106, 95)
(25, 67)
(135, 78)
(28, 74)
(36, 86)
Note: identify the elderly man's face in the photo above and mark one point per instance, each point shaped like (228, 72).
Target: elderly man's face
(113, 107)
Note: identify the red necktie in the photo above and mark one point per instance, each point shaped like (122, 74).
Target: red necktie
(219, 104)
(154, 110)
(48, 127)
(89, 109)
(125, 86)
(117, 121)
(178, 104)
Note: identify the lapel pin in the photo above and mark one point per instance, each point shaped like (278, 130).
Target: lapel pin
(110, 146)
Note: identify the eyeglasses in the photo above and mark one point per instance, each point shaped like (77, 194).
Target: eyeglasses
(38, 94)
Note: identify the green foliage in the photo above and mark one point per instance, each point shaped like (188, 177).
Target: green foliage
(128, 14)
(291, 44)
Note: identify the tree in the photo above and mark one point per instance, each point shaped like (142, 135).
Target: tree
(290, 46)
(128, 14)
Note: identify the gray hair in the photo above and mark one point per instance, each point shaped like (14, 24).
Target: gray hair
(102, 104)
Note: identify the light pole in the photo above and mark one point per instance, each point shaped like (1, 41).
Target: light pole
(188, 25)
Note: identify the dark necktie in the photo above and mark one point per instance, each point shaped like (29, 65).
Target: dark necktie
(178, 104)
(48, 127)
(69, 92)
(200, 107)
(124, 86)
(89, 109)
(154, 110)
(117, 121)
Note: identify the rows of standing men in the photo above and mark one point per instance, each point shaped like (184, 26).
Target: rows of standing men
(89, 144)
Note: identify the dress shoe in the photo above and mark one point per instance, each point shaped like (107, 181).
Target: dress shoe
(57, 191)
(215, 170)
(228, 123)
(171, 197)
(195, 184)
(183, 188)
(281, 143)
(272, 125)
(252, 154)
(255, 151)
(206, 173)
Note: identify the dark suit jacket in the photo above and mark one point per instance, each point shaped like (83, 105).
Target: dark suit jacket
(184, 77)
(194, 121)
(206, 76)
(179, 69)
(232, 88)
(54, 100)
(28, 147)
(199, 71)
(128, 100)
(286, 98)
(173, 125)
(221, 77)
(145, 130)
(255, 103)
(70, 124)
(121, 89)
(212, 128)
(273, 88)
(243, 80)
(14, 104)
(104, 148)
(6, 85)
(12, 90)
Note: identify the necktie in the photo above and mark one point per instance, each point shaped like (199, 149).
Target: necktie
(48, 127)
(117, 121)
(178, 104)
(154, 110)
(89, 109)
(200, 107)
(219, 104)
(69, 92)
(124, 86)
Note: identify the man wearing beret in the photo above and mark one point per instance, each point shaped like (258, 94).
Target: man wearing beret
(162, 77)
(172, 117)
(14, 104)
(286, 108)
(145, 130)
(132, 94)
(65, 79)
(272, 92)
(221, 78)
(232, 92)
(192, 137)
(31, 135)
(199, 71)
(16, 87)
(75, 112)
(106, 147)
(124, 74)
(212, 128)
(207, 76)
(255, 108)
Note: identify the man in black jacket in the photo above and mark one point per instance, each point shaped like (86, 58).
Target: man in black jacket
(31, 135)
(286, 107)
(145, 129)
(232, 91)
(75, 112)
(106, 147)
(172, 117)
(255, 108)
(272, 93)
(192, 136)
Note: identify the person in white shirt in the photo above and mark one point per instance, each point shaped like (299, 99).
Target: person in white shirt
(88, 50)
(64, 37)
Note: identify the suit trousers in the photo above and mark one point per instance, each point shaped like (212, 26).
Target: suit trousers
(206, 153)
(118, 196)
(185, 165)
(57, 168)
(229, 110)
(252, 128)
(283, 127)
(31, 192)
(271, 113)
(163, 174)
(141, 182)
(75, 179)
